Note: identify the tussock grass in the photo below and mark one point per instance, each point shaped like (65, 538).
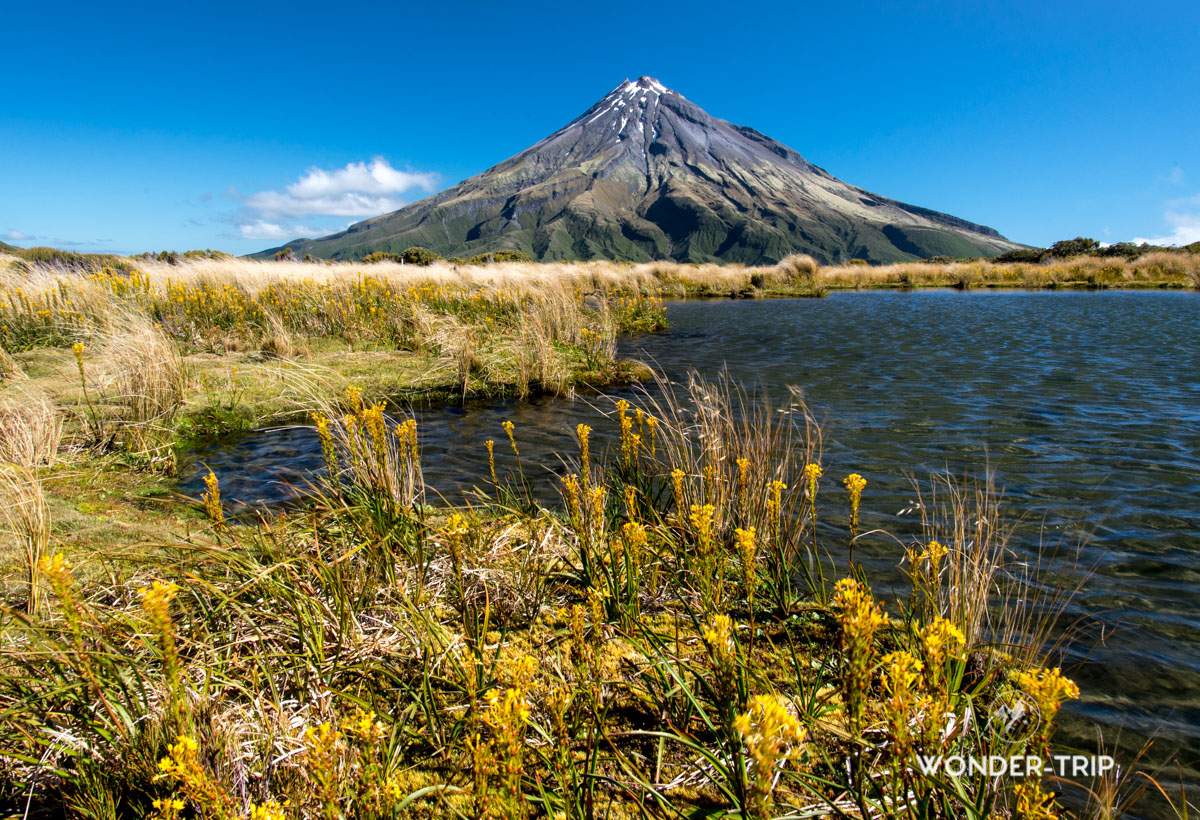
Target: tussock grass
(9, 368)
(31, 428)
(667, 642)
(1175, 270)
(149, 379)
(144, 341)
(27, 516)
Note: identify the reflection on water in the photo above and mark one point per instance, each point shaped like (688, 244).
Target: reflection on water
(1085, 406)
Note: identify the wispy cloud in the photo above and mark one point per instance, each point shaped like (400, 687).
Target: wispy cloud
(262, 229)
(359, 190)
(14, 235)
(1183, 221)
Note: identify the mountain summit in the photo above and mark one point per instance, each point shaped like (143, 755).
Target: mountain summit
(646, 174)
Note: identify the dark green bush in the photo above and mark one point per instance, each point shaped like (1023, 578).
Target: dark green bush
(1022, 255)
(1079, 246)
(380, 256)
(499, 256)
(417, 255)
(89, 262)
(1126, 250)
(207, 253)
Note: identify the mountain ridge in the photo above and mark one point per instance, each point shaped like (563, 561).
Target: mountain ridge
(646, 174)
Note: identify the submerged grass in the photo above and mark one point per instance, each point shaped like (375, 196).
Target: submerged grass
(667, 642)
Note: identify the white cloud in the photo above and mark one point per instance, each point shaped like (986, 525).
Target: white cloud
(17, 236)
(262, 229)
(1183, 222)
(359, 190)
(349, 204)
(1176, 176)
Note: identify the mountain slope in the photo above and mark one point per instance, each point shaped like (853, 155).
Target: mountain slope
(645, 174)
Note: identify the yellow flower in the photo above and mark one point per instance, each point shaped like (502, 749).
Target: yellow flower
(901, 671)
(1048, 688)
(854, 486)
(183, 766)
(212, 498)
(774, 505)
(373, 422)
(811, 473)
(941, 640)
(167, 808)
(270, 810)
(702, 522)
(582, 431)
(677, 489)
(772, 735)
(366, 728)
(406, 435)
(574, 503)
(935, 553)
(860, 617)
(747, 549)
(58, 565)
(719, 634)
(454, 533)
(156, 601)
(328, 450)
(1034, 802)
(901, 676)
(597, 496)
(636, 540)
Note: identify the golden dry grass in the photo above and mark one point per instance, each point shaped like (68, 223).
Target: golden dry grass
(673, 279)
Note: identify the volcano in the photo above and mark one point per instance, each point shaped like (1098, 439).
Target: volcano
(646, 174)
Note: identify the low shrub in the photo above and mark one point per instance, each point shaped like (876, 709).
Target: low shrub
(417, 255)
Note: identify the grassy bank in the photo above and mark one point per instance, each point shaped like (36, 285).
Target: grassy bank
(105, 374)
(197, 348)
(178, 348)
(671, 641)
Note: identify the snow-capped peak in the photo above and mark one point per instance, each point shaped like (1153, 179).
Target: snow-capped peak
(652, 84)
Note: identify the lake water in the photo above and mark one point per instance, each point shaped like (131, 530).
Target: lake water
(1085, 407)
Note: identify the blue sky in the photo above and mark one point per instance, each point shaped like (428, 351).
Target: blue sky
(143, 126)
